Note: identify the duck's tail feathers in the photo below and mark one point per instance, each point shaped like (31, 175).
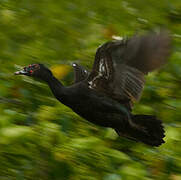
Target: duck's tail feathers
(145, 128)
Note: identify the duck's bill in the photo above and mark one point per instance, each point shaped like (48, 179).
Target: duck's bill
(21, 72)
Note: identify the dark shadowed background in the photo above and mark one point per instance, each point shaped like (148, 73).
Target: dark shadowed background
(44, 140)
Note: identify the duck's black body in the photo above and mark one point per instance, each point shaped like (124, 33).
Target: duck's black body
(105, 96)
(93, 106)
(104, 111)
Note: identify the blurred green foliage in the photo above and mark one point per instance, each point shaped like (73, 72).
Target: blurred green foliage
(41, 138)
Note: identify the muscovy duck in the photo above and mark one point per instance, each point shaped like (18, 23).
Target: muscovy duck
(105, 96)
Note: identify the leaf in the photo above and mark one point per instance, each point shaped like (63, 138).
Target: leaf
(60, 71)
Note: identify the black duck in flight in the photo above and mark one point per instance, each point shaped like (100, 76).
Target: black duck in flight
(105, 95)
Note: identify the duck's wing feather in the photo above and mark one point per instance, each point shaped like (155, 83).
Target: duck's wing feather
(120, 65)
(80, 73)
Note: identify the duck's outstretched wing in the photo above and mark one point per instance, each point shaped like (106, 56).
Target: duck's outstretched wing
(80, 73)
(120, 65)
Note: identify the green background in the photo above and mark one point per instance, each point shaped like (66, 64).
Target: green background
(40, 139)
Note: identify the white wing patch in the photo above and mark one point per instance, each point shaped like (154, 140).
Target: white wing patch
(102, 73)
(101, 67)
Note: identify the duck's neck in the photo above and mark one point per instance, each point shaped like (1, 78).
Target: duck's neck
(57, 88)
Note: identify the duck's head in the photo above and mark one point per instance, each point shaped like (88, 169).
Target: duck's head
(35, 70)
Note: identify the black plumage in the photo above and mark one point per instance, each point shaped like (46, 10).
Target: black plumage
(105, 96)
(79, 73)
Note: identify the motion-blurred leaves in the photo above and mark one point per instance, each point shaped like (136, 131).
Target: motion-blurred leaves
(43, 139)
